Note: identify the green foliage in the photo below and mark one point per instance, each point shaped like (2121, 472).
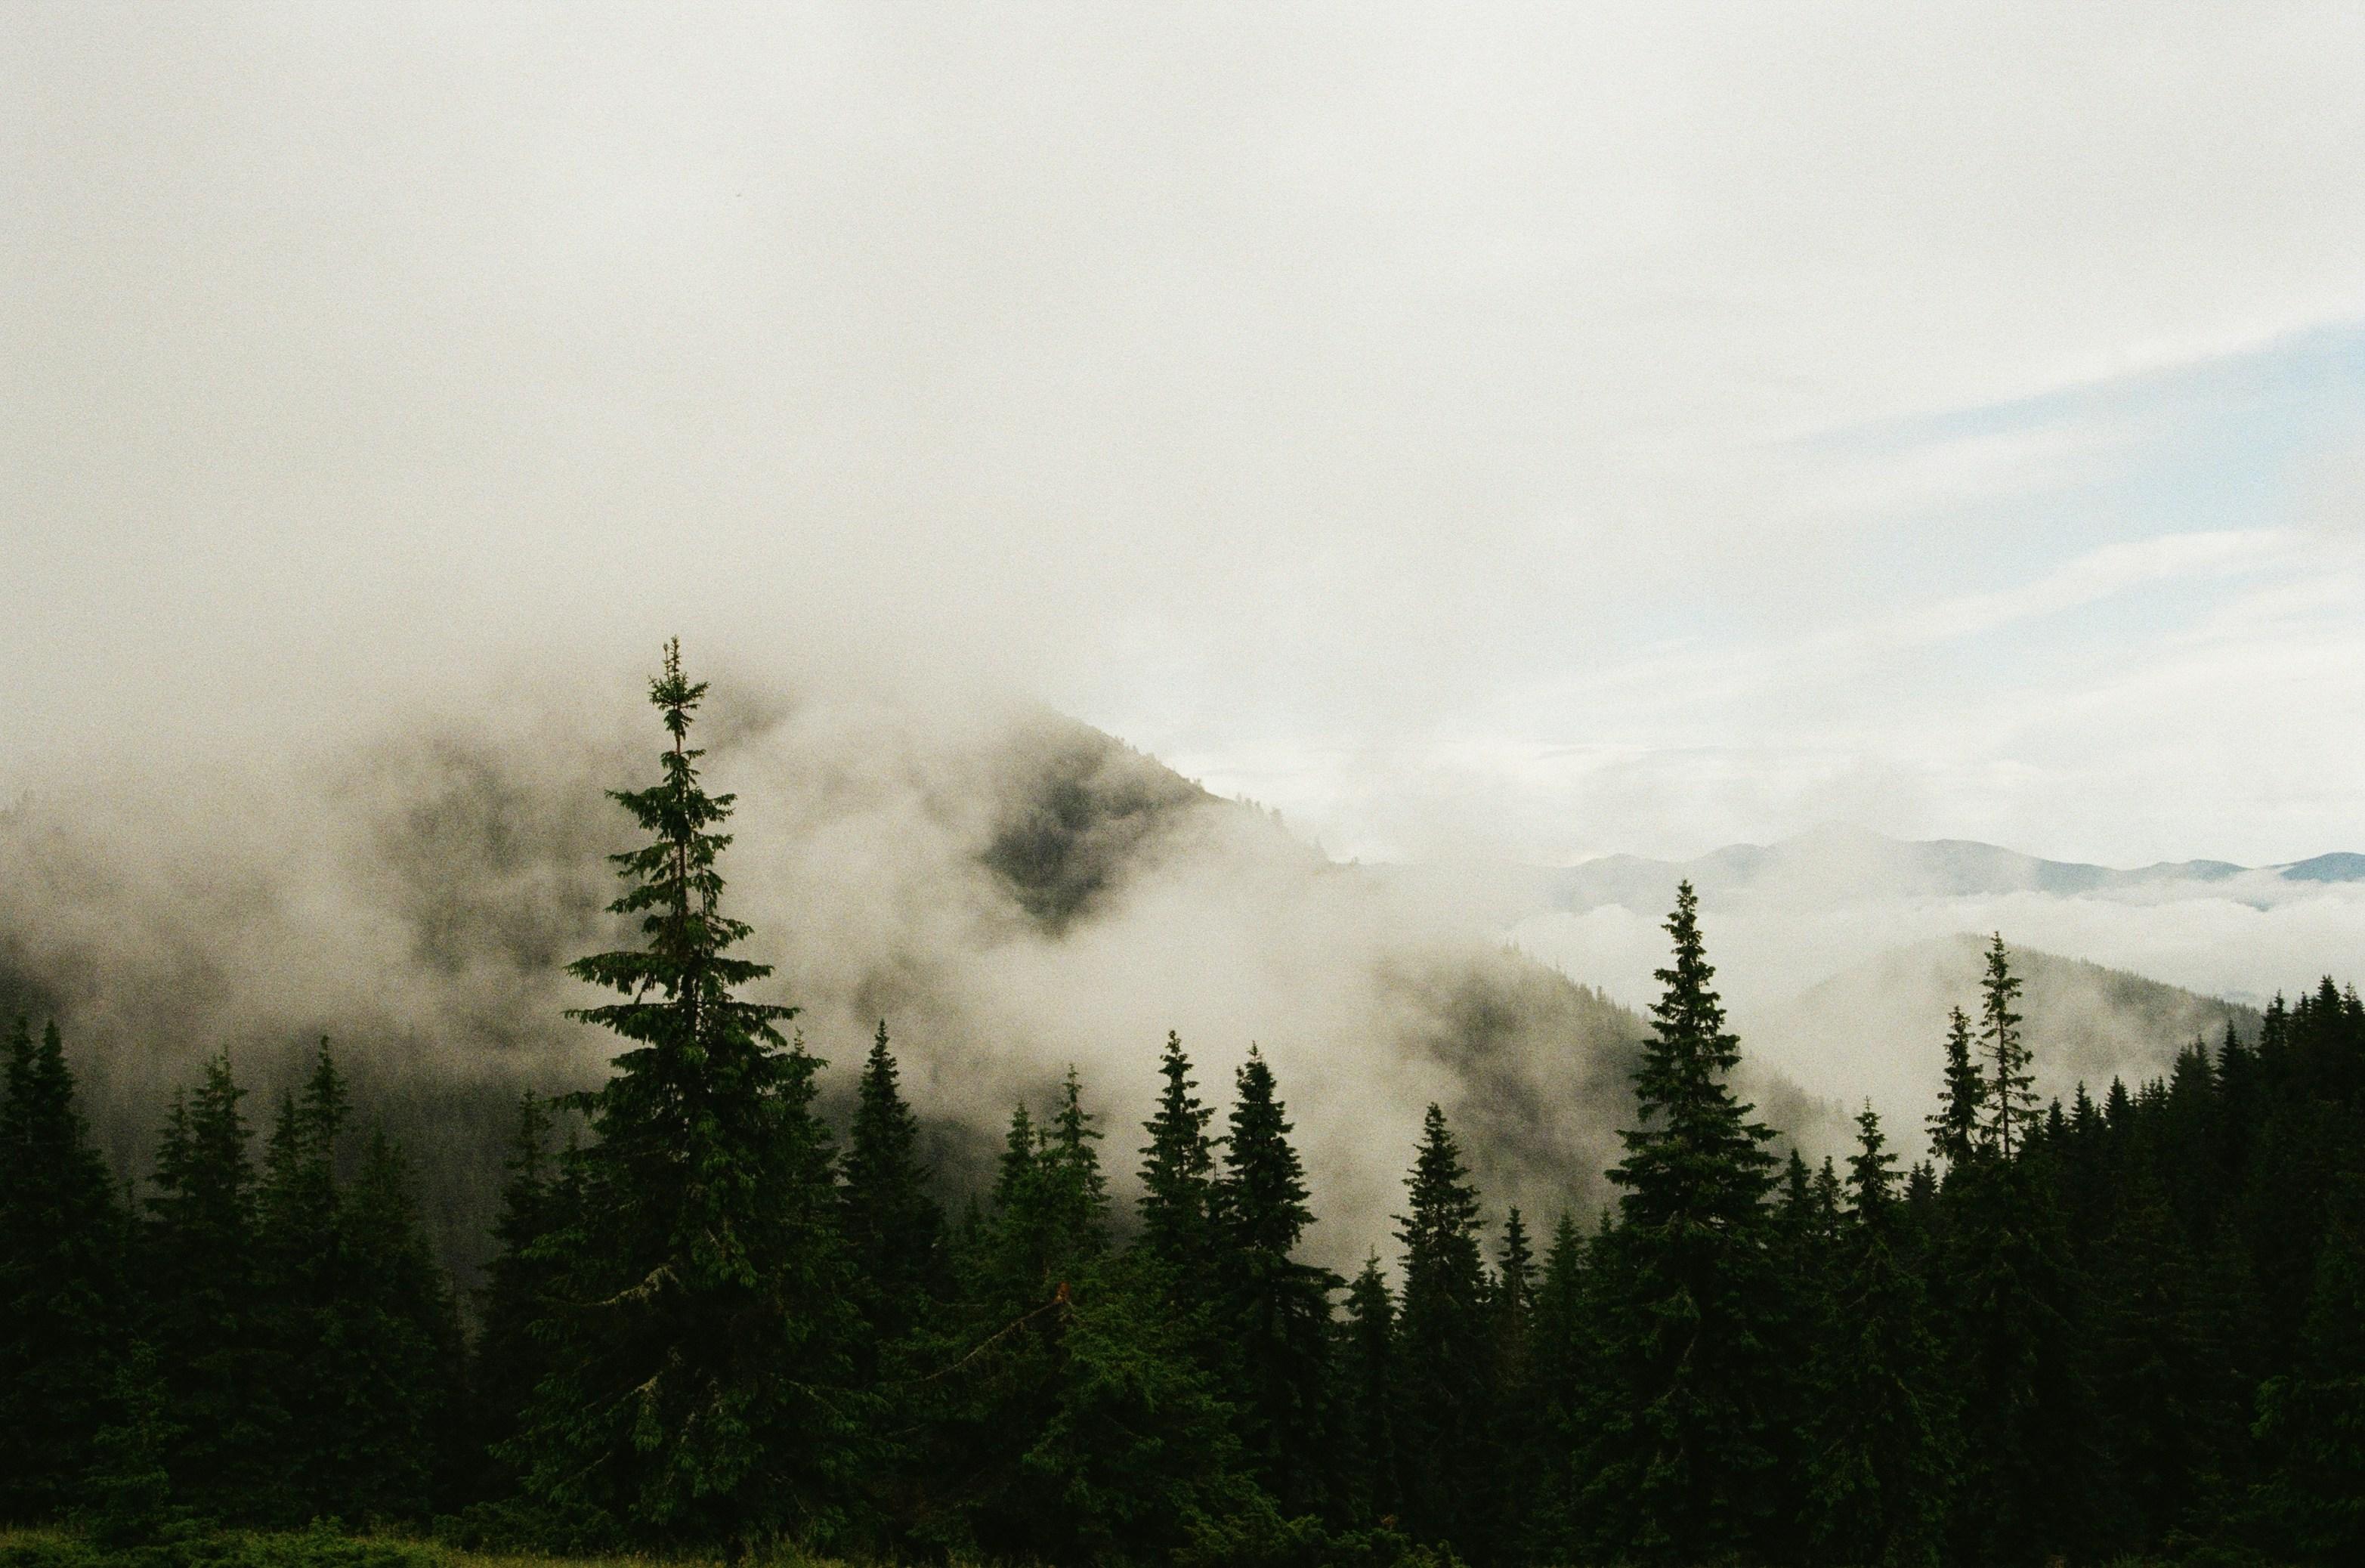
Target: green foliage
(2311, 1420)
(700, 1385)
(1444, 1412)
(2116, 1328)
(1178, 1174)
(1365, 1402)
(2008, 1103)
(204, 1312)
(1881, 1433)
(1272, 1311)
(62, 1282)
(894, 1231)
(509, 1359)
(1681, 1465)
(363, 1359)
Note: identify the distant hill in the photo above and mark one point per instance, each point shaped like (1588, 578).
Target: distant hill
(1014, 892)
(1838, 864)
(1876, 1028)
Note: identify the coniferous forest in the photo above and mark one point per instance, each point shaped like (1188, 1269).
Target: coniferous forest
(2128, 1327)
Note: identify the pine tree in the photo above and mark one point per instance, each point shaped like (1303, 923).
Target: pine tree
(61, 1288)
(1562, 1378)
(1514, 1291)
(894, 1230)
(304, 1274)
(1882, 1430)
(1962, 1099)
(511, 1360)
(1369, 1398)
(204, 1314)
(1069, 1168)
(1444, 1417)
(2312, 1418)
(1273, 1310)
(700, 1388)
(2011, 1101)
(1685, 1459)
(400, 1354)
(2028, 1471)
(1517, 1396)
(1178, 1183)
(129, 1484)
(1065, 1416)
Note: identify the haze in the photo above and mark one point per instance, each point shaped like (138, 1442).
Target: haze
(1525, 433)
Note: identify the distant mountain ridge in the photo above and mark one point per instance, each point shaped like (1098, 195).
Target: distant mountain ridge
(1840, 863)
(1876, 1027)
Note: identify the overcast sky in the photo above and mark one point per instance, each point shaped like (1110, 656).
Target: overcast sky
(1474, 430)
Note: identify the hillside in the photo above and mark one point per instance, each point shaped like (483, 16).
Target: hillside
(1841, 864)
(1012, 890)
(1876, 1028)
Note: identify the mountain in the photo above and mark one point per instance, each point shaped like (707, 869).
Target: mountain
(1846, 864)
(1876, 1027)
(1014, 892)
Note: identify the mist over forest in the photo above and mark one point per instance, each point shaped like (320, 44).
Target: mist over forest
(1012, 892)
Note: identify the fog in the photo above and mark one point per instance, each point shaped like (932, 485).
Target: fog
(1013, 892)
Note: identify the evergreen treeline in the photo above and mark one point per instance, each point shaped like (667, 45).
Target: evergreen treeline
(2127, 1326)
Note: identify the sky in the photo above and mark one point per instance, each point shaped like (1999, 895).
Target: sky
(1479, 432)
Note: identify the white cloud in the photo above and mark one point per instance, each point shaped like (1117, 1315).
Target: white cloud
(1431, 420)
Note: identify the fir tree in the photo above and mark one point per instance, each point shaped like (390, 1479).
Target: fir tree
(894, 1230)
(1962, 1099)
(1368, 1400)
(1882, 1427)
(1275, 1310)
(1515, 1285)
(1686, 1456)
(205, 1313)
(131, 1484)
(1444, 1419)
(1066, 1417)
(2011, 1101)
(398, 1352)
(1178, 1183)
(62, 1244)
(511, 1360)
(304, 1270)
(700, 1351)
(2311, 1420)
(1563, 1373)
(2028, 1469)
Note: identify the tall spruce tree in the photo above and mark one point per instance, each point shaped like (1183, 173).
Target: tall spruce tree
(1178, 1180)
(1882, 1430)
(304, 1268)
(1444, 1421)
(1067, 1417)
(510, 1359)
(1562, 1383)
(1962, 1097)
(1684, 1462)
(2010, 1107)
(2019, 1363)
(399, 1349)
(1368, 1398)
(204, 1316)
(61, 1285)
(700, 1347)
(2312, 1418)
(1275, 1310)
(894, 1230)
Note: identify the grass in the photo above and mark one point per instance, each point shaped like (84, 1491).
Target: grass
(322, 1547)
